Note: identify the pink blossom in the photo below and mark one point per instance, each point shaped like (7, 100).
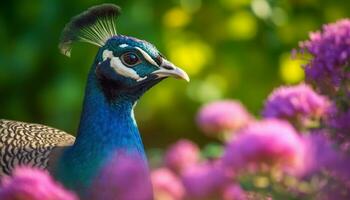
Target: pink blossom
(204, 181)
(181, 155)
(298, 104)
(222, 116)
(32, 184)
(270, 142)
(125, 177)
(233, 192)
(166, 185)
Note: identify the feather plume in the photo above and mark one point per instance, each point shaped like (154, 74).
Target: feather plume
(94, 26)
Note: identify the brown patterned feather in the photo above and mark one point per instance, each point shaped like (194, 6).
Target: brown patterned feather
(29, 144)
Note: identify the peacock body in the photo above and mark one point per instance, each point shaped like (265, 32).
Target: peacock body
(123, 70)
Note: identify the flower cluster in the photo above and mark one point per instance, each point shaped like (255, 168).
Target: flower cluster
(221, 118)
(328, 70)
(32, 184)
(267, 153)
(265, 143)
(204, 180)
(182, 154)
(338, 122)
(167, 185)
(303, 136)
(300, 105)
(330, 51)
(319, 154)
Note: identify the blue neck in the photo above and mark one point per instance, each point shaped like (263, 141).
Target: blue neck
(105, 127)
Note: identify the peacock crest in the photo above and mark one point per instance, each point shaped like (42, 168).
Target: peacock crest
(94, 26)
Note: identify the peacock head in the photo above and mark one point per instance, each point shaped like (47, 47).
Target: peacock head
(124, 66)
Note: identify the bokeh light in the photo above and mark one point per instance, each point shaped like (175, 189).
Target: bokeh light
(191, 54)
(175, 18)
(291, 70)
(242, 26)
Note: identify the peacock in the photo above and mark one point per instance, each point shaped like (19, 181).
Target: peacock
(123, 70)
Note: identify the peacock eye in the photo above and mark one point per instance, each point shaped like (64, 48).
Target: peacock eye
(130, 59)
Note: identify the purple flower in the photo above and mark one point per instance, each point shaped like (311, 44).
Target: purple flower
(125, 177)
(222, 116)
(32, 184)
(166, 185)
(204, 181)
(318, 154)
(181, 155)
(338, 121)
(298, 104)
(321, 154)
(330, 50)
(320, 157)
(267, 143)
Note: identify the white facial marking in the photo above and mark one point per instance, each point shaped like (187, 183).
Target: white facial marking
(123, 45)
(141, 79)
(121, 69)
(147, 57)
(107, 54)
(165, 62)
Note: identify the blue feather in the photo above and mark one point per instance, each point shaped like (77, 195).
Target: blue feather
(105, 128)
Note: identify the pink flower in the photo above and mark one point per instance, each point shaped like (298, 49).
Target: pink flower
(298, 104)
(233, 192)
(204, 181)
(181, 155)
(32, 184)
(166, 185)
(222, 116)
(125, 177)
(270, 142)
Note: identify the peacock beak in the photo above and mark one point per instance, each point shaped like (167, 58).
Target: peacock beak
(168, 69)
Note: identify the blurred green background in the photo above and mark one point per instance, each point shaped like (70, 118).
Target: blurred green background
(230, 48)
